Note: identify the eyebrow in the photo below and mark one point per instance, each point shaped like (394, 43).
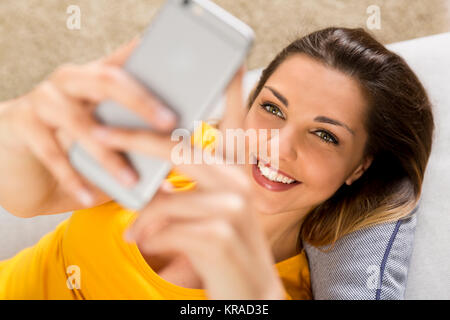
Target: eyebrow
(332, 121)
(321, 119)
(279, 96)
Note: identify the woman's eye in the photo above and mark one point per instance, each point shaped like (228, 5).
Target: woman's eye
(273, 110)
(327, 137)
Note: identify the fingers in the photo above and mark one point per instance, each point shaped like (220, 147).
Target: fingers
(235, 111)
(218, 257)
(155, 145)
(139, 141)
(167, 208)
(46, 148)
(234, 115)
(120, 56)
(205, 240)
(239, 262)
(97, 82)
(77, 122)
(166, 187)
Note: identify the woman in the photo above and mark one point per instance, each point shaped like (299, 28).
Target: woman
(355, 130)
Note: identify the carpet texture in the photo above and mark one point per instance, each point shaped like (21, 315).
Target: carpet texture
(34, 38)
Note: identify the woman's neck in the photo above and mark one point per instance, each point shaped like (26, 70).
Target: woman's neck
(282, 232)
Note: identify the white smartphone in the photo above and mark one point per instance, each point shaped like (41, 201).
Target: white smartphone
(186, 58)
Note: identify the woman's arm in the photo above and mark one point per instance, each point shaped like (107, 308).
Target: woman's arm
(27, 187)
(37, 129)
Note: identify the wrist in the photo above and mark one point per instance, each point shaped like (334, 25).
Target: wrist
(4, 106)
(8, 119)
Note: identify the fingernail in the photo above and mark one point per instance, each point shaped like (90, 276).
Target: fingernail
(242, 70)
(167, 186)
(101, 134)
(168, 118)
(85, 197)
(128, 177)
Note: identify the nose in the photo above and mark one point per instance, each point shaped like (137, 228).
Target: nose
(287, 144)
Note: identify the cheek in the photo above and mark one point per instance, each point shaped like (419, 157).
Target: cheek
(322, 175)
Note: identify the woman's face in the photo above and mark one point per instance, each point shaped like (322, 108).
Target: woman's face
(320, 114)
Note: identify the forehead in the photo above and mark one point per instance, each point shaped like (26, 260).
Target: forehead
(313, 88)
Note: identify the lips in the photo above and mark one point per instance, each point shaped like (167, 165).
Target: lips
(269, 184)
(277, 170)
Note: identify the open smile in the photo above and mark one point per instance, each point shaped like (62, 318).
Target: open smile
(272, 179)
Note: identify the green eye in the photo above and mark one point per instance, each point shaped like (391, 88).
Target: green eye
(327, 137)
(270, 108)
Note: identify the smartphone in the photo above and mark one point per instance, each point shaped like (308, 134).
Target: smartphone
(186, 58)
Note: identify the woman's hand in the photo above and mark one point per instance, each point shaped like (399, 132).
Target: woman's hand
(44, 122)
(213, 225)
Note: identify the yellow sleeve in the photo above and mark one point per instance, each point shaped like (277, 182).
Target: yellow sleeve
(25, 276)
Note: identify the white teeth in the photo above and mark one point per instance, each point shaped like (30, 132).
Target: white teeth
(273, 175)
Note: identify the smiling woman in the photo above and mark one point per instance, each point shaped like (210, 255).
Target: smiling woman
(356, 129)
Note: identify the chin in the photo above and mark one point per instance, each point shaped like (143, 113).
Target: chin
(267, 202)
(268, 207)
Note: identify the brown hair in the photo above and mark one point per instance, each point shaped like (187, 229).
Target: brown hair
(399, 124)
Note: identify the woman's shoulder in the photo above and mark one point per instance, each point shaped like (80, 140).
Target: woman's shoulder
(107, 208)
(99, 221)
(294, 273)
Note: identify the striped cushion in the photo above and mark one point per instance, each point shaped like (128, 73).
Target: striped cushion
(369, 264)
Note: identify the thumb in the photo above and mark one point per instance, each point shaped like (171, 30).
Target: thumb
(235, 110)
(120, 56)
(234, 115)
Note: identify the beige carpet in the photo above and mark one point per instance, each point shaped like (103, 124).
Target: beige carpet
(34, 38)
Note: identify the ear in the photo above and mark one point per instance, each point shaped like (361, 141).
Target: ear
(359, 170)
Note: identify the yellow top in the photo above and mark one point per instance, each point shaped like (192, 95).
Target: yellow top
(86, 257)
